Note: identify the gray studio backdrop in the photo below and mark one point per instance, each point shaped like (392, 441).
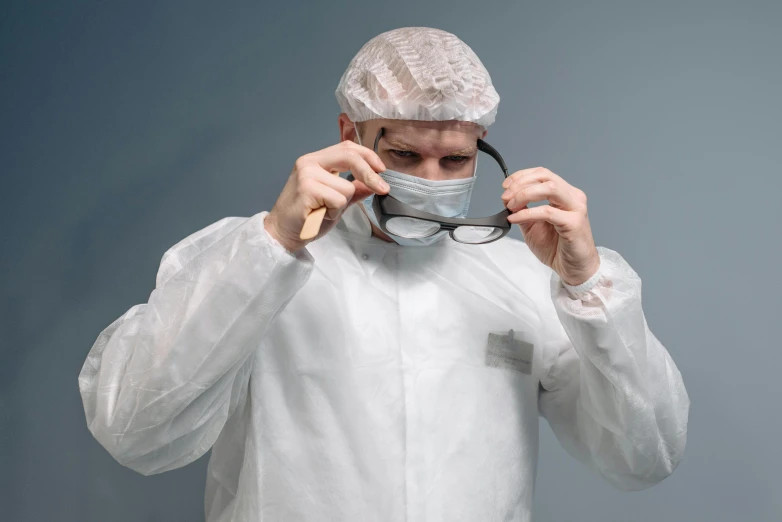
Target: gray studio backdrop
(127, 126)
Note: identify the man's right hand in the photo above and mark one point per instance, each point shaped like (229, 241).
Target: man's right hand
(312, 185)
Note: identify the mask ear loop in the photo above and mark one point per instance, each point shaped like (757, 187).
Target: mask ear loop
(358, 137)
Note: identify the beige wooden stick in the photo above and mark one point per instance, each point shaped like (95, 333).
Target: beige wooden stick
(312, 224)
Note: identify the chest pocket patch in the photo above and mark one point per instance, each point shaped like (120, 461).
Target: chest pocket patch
(505, 350)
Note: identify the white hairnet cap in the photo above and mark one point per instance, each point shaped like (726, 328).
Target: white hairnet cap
(417, 73)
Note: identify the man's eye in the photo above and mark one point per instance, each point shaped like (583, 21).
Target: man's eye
(458, 159)
(402, 153)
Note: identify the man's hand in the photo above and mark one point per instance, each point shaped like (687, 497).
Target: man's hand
(558, 233)
(312, 185)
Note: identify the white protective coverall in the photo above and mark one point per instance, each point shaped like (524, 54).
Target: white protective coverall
(357, 380)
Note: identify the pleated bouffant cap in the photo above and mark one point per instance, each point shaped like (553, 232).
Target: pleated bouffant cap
(417, 73)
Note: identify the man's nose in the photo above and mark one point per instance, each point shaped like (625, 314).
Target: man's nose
(430, 169)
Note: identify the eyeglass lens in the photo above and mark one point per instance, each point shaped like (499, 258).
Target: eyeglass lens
(475, 234)
(412, 227)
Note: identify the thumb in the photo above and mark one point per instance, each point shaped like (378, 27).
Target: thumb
(362, 192)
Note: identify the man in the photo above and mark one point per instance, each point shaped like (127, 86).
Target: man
(383, 374)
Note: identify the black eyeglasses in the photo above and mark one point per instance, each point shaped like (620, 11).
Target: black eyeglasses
(395, 217)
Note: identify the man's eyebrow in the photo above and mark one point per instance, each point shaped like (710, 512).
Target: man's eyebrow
(467, 151)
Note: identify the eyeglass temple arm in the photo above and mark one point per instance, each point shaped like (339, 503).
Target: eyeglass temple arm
(491, 151)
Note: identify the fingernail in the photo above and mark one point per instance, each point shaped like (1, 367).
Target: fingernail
(384, 185)
(506, 183)
(505, 194)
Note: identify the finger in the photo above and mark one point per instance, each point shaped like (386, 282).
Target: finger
(368, 154)
(341, 185)
(546, 213)
(362, 192)
(362, 162)
(519, 195)
(551, 190)
(527, 179)
(516, 176)
(535, 175)
(318, 195)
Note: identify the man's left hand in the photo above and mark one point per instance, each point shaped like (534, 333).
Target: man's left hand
(558, 233)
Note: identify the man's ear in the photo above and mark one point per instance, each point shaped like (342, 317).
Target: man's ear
(347, 129)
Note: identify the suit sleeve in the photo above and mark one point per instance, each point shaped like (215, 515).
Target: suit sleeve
(611, 391)
(160, 381)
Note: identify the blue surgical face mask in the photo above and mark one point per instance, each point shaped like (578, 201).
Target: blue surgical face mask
(447, 198)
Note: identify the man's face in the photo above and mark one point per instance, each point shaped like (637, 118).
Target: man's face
(433, 150)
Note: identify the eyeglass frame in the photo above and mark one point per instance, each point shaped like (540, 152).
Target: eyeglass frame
(387, 207)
